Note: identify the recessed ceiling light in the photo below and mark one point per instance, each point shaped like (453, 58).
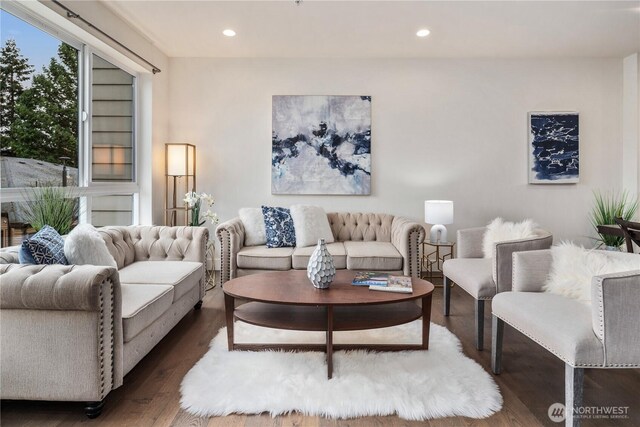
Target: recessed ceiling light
(423, 33)
(229, 33)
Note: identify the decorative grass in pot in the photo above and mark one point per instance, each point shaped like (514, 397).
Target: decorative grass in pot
(607, 207)
(57, 207)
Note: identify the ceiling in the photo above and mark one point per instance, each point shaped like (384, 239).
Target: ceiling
(387, 29)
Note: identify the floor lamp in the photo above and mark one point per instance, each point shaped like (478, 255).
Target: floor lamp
(180, 171)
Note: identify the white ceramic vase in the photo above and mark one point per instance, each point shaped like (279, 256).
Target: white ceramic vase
(320, 269)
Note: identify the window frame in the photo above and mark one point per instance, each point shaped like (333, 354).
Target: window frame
(86, 188)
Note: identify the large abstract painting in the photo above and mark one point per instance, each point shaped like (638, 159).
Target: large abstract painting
(553, 148)
(321, 145)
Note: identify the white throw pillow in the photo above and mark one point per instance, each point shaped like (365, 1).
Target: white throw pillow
(85, 245)
(311, 224)
(573, 268)
(254, 229)
(500, 230)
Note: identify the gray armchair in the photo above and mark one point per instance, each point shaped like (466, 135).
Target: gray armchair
(603, 335)
(482, 278)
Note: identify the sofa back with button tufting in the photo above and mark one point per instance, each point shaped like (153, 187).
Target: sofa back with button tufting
(119, 244)
(155, 243)
(367, 227)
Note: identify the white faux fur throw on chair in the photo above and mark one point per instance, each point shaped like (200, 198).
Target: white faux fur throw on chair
(500, 230)
(573, 268)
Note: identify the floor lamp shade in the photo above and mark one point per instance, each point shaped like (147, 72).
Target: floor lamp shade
(438, 213)
(181, 159)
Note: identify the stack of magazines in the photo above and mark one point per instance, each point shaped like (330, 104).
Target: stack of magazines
(377, 281)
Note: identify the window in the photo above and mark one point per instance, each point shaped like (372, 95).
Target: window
(68, 119)
(112, 122)
(39, 131)
(111, 210)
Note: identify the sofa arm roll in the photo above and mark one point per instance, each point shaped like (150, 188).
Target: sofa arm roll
(502, 268)
(469, 242)
(530, 270)
(62, 337)
(54, 287)
(231, 236)
(10, 255)
(615, 307)
(407, 236)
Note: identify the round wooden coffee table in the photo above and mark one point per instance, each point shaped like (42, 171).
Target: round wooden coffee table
(288, 300)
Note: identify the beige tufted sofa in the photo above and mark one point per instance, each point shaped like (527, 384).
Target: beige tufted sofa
(363, 241)
(72, 332)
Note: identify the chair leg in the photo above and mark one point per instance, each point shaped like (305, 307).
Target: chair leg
(198, 305)
(93, 409)
(479, 324)
(573, 386)
(446, 287)
(497, 331)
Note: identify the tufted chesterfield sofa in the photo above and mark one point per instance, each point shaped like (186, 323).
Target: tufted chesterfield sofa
(363, 241)
(71, 333)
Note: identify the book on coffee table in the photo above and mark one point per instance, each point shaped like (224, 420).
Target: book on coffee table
(394, 284)
(367, 278)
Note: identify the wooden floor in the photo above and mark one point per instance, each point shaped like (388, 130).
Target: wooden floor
(532, 379)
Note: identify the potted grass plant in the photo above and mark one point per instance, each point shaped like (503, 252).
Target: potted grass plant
(53, 206)
(607, 207)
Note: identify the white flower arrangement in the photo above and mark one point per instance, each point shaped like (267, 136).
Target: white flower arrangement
(194, 202)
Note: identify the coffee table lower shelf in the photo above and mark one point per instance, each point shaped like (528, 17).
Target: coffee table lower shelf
(328, 319)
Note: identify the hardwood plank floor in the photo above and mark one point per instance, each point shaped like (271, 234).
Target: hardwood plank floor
(532, 379)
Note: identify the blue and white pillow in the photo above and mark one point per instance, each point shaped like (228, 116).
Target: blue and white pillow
(279, 227)
(46, 247)
(24, 256)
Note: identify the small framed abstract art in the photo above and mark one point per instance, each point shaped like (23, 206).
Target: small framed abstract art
(554, 155)
(321, 145)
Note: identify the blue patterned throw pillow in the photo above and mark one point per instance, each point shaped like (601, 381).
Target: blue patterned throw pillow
(46, 246)
(279, 227)
(24, 256)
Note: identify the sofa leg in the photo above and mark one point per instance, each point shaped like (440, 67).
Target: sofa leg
(479, 324)
(198, 305)
(93, 409)
(446, 287)
(497, 331)
(573, 386)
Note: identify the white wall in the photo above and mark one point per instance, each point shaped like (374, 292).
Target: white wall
(441, 129)
(631, 124)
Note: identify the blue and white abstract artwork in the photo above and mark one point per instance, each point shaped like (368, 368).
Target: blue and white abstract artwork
(554, 148)
(321, 145)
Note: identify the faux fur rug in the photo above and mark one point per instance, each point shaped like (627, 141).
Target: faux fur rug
(415, 385)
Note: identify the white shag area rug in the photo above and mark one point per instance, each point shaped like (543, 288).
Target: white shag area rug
(415, 385)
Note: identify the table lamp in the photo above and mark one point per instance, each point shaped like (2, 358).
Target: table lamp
(438, 213)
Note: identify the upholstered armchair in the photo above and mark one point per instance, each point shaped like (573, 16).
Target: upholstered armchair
(604, 334)
(482, 278)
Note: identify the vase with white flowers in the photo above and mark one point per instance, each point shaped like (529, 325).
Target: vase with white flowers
(197, 202)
